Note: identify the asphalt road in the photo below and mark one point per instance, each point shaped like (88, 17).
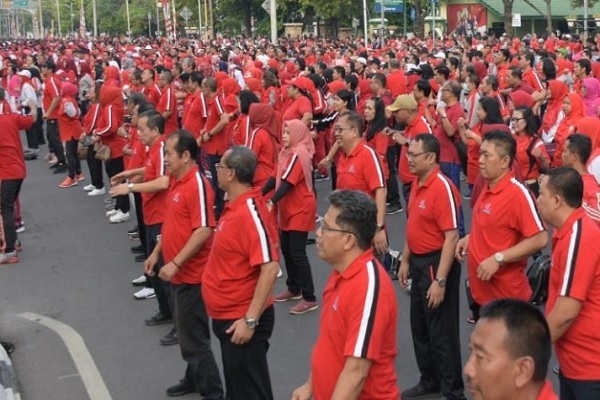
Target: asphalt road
(76, 268)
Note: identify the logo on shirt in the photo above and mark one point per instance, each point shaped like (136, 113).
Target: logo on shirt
(176, 197)
(422, 204)
(351, 169)
(487, 208)
(335, 303)
(220, 226)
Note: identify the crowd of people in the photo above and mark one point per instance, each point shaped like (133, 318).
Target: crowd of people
(198, 139)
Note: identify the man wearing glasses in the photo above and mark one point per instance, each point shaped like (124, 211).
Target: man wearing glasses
(428, 258)
(359, 169)
(358, 360)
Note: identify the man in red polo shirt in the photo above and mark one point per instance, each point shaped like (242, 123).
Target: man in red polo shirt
(511, 335)
(195, 116)
(406, 112)
(428, 257)
(358, 360)
(154, 195)
(186, 238)
(359, 169)
(151, 90)
(51, 105)
(573, 308)
(505, 230)
(396, 80)
(167, 106)
(489, 88)
(239, 278)
(12, 175)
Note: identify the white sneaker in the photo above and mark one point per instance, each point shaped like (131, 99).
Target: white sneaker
(109, 200)
(97, 192)
(112, 212)
(119, 217)
(89, 188)
(139, 281)
(279, 273)
(145, 293)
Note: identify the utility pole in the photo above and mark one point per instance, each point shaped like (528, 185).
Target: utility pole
(95, 18)
(58, 18)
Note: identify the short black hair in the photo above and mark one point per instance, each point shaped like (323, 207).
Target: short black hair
(340, 70)
(424, 86)
(358, 214)
(430, 144)
(355, 120)
(380, 78)
(136, 98)
(243, 162)
(516, 72)
(585, 64)
(492, 80)
(442, 69)
(210, 83)
(529, 56)
(155, 120)
(185, 142)
(567, 183)
(505, 141)
(196, 77)
(580, 144)
(145, 106)
(352, 80)
(528, 334)
(474, 78)
(247, 97)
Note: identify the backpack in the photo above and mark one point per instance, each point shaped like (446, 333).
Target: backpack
(538, 275)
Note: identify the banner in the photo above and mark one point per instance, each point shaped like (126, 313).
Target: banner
(166, 6)
(465, 18)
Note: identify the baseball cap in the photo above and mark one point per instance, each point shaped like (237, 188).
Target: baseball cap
(362, 60)
(403, 101)
(440, 54)
(24, 73)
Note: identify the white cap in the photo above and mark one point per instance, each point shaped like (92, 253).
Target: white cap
(362, 60)
(24, 72)
(148, 47)
(440, 54)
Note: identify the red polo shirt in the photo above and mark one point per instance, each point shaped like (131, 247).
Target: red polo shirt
(12, 162)
(502, 217)
(168, 102)
(502, 75)
(264, 146)
(575, 273)
(216, 145)
(360, 170)
(189, 207)
(547, 393)
(448, 153)
(52, 89)
(298, 207)
(418, 125)
(432, 210)
(358, 319)
(591, 197)
(154, 203)
(396, 83)
(297, 109)
(196, 114)
(235, 260)
(153, 94)
(533, 80)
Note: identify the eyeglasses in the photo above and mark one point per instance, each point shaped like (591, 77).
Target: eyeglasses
(339, 129)
(220, 166)
(324, 227)
(516, 119)
(412, 156)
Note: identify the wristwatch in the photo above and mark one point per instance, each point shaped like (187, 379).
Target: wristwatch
(499, 257)
(379, 228)
(441, 282)
(251, 323)
(130, 186)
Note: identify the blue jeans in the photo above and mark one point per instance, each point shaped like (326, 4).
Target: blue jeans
(452, 171)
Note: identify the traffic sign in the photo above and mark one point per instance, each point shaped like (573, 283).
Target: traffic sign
(185, 13)
(20, 3)
(266, 5)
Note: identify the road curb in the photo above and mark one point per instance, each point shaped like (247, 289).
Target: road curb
(9, 388)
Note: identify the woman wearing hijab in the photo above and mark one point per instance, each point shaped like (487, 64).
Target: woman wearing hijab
(253, 85)
(231, 90)
(263, 139)
(70, 129)
(297, 206)
(591, 96)
(86, 83)
(519, 99)
(557, 91)
(574, 110)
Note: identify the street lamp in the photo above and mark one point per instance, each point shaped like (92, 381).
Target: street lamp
(149, 24)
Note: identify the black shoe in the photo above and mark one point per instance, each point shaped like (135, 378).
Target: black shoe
(393, 209)
(8, 347)
(170, 338)
(140, 258)
(310, 241)
(59, 169)
(138, 249)
(158, 319)
(182, 388)
(420, 391)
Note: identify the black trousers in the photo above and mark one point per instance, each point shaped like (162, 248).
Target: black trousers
(333, 176)
(435, 332)
(406, 194)
(161, 288)
(95, 167)
(194, 340)
(72, 159)
(299, 274)
(9, 193)
(32, 134)
(245, 366)
(209, 166)
(139, 215)
(113, 167)
(39, 127)
(54, 143)
(571, 389)
(393, 189)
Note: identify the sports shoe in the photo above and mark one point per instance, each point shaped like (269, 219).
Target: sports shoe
(140, 258)
(139, 281)
(170, 338)
(138, 249)
(9, 258)
(133, 231)
(420, 391)
(303, 306)
(393, 209)
(286, 295)
(89, 188)
(158, 319)
(110, 206)
(21, 228)
(112, 212)
(119, 217)
(145, 293)
(97, 192)
(79, 177)
(181, 389)
(67, 183)
(60, 168)
(471, 319)
(320, 177)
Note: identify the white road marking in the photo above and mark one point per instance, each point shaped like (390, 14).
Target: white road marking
(92, 380)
